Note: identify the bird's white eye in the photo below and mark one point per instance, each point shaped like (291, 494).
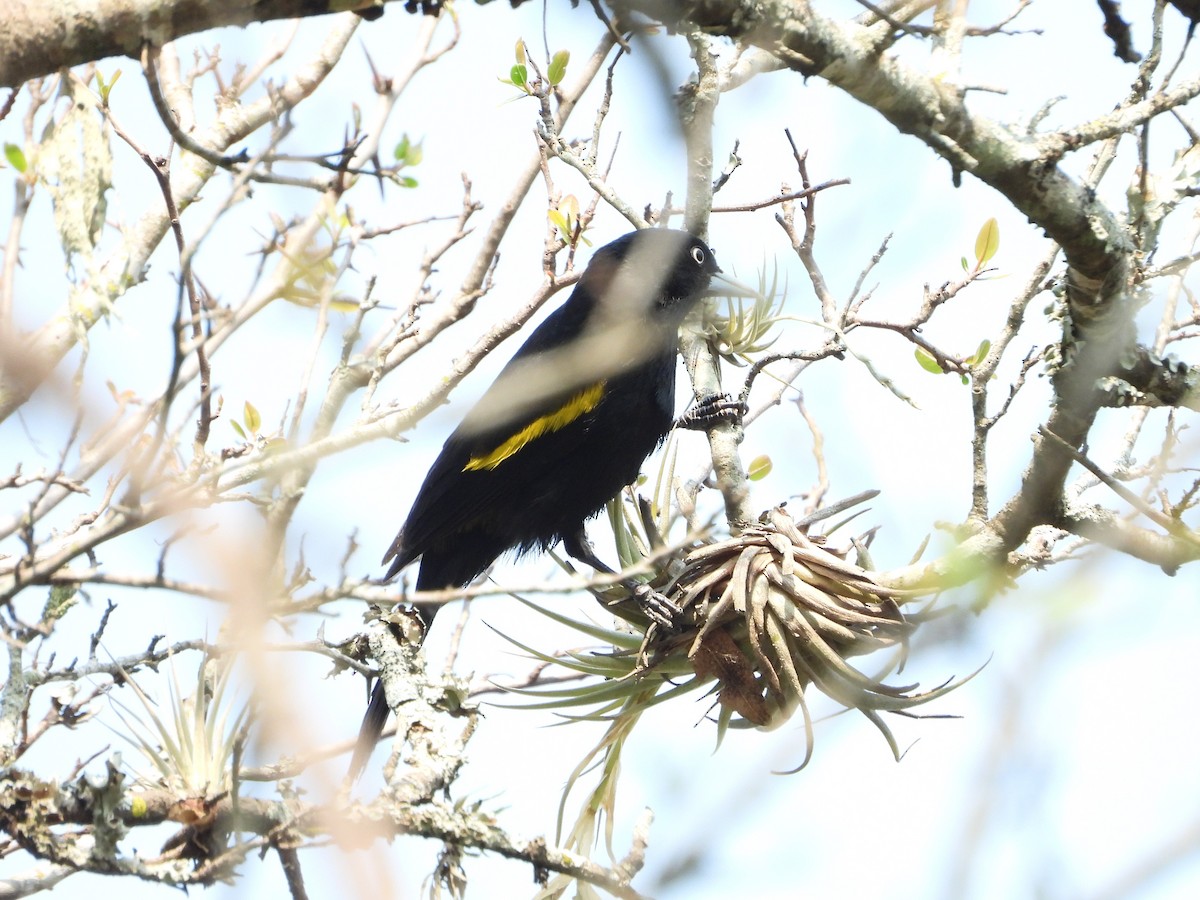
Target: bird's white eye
(698, 256)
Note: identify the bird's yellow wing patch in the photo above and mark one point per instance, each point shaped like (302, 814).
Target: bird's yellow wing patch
(583, 402)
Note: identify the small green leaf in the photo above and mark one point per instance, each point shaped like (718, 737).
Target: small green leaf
(406, 181)
(964, 264)
(106, 87)
(559, 221)
(517, 75)
(984, 346)
(407, 152)
(926, 361)
(987, 243)
(760, 468)
(251, 417)
(558, 66)
(238, 429)
(566, 217)
(16, 157)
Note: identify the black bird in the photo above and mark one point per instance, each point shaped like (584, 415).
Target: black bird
(567, 424)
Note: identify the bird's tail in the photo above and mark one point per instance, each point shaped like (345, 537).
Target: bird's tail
(370, 731)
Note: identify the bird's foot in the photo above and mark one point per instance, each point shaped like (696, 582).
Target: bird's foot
(712, 409)
(658, 607)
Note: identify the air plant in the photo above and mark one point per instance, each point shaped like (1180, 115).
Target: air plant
(764, 615)
(742, 331)
(189, 745)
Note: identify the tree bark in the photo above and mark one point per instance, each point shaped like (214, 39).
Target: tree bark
(38, 38)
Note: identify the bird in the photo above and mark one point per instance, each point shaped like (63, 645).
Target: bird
(564, 427)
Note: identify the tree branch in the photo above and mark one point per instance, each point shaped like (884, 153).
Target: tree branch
(40, 38)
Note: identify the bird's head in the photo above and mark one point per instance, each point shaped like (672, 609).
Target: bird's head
(624, 312)
(659, 272)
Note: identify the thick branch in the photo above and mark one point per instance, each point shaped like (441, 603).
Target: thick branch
(38, 38)
(1103, 526)
(1151, 380)
(28, 803)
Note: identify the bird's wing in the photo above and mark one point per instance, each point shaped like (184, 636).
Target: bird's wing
(462, 486)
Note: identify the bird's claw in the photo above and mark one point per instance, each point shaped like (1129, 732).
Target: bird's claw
(712, 409)
(660, 608)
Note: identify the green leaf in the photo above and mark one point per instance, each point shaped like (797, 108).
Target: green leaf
(987, 243)
(407, 152)
(926, 361)
(16, 157)
(106, 87)
(964, 264)
(251, 417)
(406, 181)
(760, 468)
(238, 429)
(559, 221)
(984, 346)
(566, 217)
(517, 75)
(558, 66)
